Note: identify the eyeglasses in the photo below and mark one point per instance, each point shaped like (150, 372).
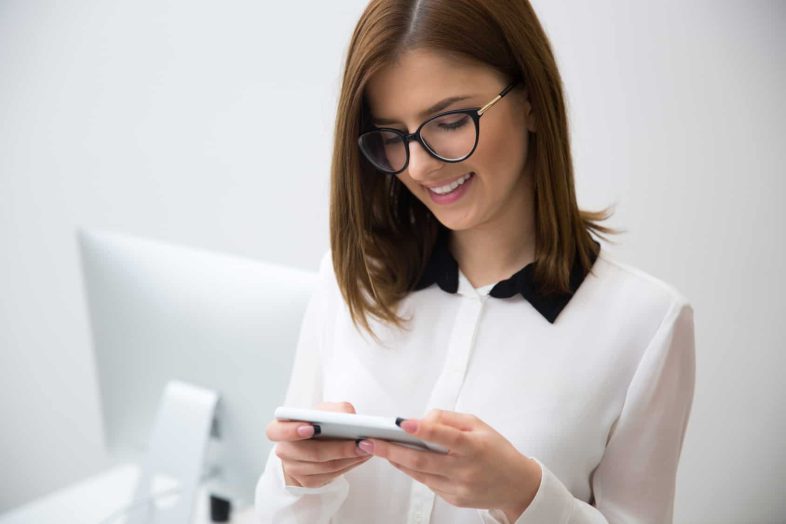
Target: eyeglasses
(451, 136)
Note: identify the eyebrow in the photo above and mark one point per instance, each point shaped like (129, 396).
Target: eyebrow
(439, 106)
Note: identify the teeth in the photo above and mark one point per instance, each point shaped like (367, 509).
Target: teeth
(450, 187)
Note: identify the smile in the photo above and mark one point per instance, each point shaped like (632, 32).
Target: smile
(447, 188)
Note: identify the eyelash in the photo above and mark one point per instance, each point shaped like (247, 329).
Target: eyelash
(449, 127)
(456, 125)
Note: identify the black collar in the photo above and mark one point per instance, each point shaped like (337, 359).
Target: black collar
(442, 268)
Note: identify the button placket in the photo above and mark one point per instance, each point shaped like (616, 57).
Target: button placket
(462, 340)
(447, 387)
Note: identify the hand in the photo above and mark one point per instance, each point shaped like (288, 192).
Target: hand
(313, 463)
(481, 470)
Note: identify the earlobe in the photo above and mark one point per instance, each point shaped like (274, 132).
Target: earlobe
(530, 119)
(529, 115)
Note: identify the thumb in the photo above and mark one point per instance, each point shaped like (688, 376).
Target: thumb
(340, 407)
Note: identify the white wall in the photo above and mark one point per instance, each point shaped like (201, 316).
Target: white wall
(177, 120)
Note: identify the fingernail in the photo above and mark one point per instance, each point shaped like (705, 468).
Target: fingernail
(410, 426)
(306, 431)
(366, 446)
(399, 420)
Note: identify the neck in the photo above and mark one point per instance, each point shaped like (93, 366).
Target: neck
(497, 248)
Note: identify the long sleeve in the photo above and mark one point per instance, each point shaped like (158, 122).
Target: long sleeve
(635, 480)
(274, 500)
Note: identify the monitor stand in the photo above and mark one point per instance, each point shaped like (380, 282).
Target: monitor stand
(175, 455)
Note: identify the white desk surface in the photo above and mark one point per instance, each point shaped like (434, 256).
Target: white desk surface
(95, 499)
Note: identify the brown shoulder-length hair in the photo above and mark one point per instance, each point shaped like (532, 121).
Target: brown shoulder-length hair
(381, 236)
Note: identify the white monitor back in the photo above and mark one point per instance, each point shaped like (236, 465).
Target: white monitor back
(160, 312)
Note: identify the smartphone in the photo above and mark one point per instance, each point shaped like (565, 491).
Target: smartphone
(351, 426)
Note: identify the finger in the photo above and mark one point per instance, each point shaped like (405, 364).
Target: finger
(299, 468)
(437, 432)
(435, 482)
(461, 421)
(341, 407)
(418, 460)
(318, 450)
(322, 479)
(278, 431)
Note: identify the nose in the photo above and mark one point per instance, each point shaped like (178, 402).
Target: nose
(421, 163)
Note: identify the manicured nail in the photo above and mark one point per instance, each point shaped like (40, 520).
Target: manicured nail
(306, 431)
(366, 446)
(399, 420)
(410, 426)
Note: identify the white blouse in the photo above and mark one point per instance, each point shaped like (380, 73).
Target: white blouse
(600, 398)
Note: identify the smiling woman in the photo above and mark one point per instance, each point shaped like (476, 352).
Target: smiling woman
(407, 62)
(559, 379)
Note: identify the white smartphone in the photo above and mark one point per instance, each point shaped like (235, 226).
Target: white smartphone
(333, 425)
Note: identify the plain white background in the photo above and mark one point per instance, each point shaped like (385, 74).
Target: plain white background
(210, 124)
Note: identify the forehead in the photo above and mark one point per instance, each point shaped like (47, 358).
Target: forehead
(402, 89)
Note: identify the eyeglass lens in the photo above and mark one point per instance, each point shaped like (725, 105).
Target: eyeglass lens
(451, 137)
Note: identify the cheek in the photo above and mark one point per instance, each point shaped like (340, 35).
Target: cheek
(501, 153)
(410, 184)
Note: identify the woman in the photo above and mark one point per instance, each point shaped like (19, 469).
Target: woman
(464, 292)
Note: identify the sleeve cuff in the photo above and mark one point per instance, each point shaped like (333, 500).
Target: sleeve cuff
(552, 503)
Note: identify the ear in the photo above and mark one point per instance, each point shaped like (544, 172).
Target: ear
(529, 115)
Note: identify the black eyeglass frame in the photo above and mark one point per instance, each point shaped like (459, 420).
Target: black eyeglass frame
(474, 113)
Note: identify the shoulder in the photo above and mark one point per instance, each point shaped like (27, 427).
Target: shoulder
(326, 276)
(635, 295)
(636, 280)
(326, 262)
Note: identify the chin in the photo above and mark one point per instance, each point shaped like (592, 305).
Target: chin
(454, 223)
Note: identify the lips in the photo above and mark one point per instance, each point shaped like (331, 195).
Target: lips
(446, 182)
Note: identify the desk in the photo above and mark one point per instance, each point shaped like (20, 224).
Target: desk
(92, 500)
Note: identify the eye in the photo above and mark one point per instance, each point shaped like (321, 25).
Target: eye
(451, 122)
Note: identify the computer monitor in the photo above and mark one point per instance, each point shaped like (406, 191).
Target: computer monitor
(160, 312)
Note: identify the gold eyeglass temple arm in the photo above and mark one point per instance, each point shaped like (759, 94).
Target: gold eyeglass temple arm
(485, 108)
(496, 98)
